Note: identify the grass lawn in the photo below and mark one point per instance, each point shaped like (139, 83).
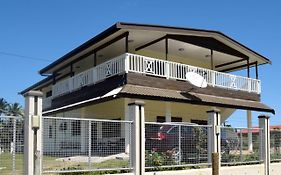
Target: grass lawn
(50, 163)
(6, 163)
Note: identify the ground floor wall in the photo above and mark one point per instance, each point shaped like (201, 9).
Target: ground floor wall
(117, 109)
(275, 169)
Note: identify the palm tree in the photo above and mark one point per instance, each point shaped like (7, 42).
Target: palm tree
(3, 106)
(15, 109)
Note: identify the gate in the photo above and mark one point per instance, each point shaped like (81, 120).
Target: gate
(11, 145)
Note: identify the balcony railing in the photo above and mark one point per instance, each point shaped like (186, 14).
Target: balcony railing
(146, 65)
(173, 70)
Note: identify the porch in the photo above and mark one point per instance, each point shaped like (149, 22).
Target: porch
(132, 63)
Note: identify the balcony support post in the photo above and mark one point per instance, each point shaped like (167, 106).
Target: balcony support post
(95, 59)
(71, 70)
(166, 47)
(54, 78)
(127, 43)
(257, 72)
(212, 60)
(248, 68)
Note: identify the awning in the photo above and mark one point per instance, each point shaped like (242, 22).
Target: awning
(108, 96)
(150, 93)
(144, 92)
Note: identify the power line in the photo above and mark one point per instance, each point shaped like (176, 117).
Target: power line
(23, 56)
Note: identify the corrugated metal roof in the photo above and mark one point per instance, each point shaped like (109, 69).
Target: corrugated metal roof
(150, 93)
(193, 98)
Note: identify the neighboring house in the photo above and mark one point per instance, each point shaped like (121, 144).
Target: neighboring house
(275, 135)
(149, 62)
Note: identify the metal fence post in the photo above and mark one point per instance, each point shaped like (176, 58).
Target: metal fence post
(215, 163)
(179, 144)
(136, 112)
(130, 145)
(265, 144)
(214, 145)
(241, 146)
(33, 107)
(14, 145)
(90, 144)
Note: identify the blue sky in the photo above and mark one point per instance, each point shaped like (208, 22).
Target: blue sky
(49, 29)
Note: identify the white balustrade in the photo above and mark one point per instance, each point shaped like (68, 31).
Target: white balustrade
(173, 70)
(62, 87)
(146, 65)
(110, 68)
(82, 79)
(91, 76)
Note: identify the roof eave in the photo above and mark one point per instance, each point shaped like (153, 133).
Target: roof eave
(36, 85)
(125, 25)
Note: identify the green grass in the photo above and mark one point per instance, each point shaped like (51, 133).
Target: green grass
(6, 163)
(50, 163)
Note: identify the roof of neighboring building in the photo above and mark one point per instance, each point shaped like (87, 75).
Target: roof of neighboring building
(256, 129)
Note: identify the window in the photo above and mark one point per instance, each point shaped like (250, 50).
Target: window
(162, 119)
(50, 131)
(199, 122)
(63, 126)
(49, 94)
(76, 128)
(176, 119)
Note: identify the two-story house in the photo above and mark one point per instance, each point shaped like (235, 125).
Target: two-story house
(138, 61)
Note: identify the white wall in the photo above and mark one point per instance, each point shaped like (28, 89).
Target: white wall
(275, 169)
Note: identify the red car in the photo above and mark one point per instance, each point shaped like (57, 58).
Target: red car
(187, 140)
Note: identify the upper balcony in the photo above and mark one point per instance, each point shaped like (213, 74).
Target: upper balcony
(128, 62)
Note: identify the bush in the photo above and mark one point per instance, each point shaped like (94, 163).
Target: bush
(155, 159)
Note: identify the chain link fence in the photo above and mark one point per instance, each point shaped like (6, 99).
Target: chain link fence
(235, 148)
(175, 144)
(81, 145)
(11, 145)
(275, 144)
